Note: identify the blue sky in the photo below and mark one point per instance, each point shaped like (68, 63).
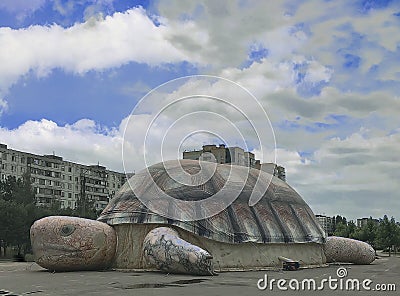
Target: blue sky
(327, 73)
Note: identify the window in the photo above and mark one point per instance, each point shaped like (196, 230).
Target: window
(46, 191)
(70, 178)
(69, 186)
(4, 166)
(13, 158)
(69, 169)
(69, 195)
(41, 181)
(4, 156)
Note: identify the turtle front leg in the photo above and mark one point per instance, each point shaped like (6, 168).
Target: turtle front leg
(164, 248)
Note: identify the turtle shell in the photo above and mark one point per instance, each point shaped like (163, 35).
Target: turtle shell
(279, 216)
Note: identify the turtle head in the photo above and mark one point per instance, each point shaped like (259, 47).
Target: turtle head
(69, 243)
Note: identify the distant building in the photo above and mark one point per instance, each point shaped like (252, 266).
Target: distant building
(273, 169)
(327, 223)
(234, 155)
(55, 179)
(363, 221)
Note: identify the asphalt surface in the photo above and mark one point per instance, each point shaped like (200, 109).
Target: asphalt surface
(30, 279)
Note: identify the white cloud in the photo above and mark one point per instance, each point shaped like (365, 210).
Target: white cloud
(357, 175)
(317, 72)
(337, 28)
(81, 142)
(93, 45)
(221, 33)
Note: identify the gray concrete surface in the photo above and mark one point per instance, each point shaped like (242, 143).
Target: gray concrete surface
(30, 279)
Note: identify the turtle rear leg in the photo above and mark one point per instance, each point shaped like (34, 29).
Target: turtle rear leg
(164, 248)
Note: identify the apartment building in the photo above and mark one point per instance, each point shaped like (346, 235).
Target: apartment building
(55, 179)
(274, 169)
(327, 223)
(236, 156)
(363, 221)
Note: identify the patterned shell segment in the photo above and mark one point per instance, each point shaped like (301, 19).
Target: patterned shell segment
(280, 216)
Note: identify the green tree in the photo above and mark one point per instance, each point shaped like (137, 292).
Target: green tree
(344, 229)
(18, 212)
(352, 228)
(387, 234)
(85, 208)
(23, 191)
(397, 240)
(338, 220)
(13, 226)
(341, 230)
(368, 232)
(7, 188)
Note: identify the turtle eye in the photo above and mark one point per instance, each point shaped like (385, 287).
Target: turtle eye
(67, 230)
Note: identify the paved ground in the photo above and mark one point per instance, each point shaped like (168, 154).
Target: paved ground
(29, 278)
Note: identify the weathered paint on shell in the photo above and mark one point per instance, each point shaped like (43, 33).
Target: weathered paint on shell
(340, 249)
(281, 216)
(163, 248)
(69, 243)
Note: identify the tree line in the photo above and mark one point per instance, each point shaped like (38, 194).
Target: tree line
(382, 234)
(18, 211)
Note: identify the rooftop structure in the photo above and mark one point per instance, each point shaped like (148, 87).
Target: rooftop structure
(234, 155)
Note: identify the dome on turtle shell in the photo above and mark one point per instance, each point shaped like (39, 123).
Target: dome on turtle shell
(279, 216)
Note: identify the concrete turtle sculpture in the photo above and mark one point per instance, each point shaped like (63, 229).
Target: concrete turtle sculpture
(128, 235)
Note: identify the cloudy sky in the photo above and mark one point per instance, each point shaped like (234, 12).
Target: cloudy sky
(326, 72)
